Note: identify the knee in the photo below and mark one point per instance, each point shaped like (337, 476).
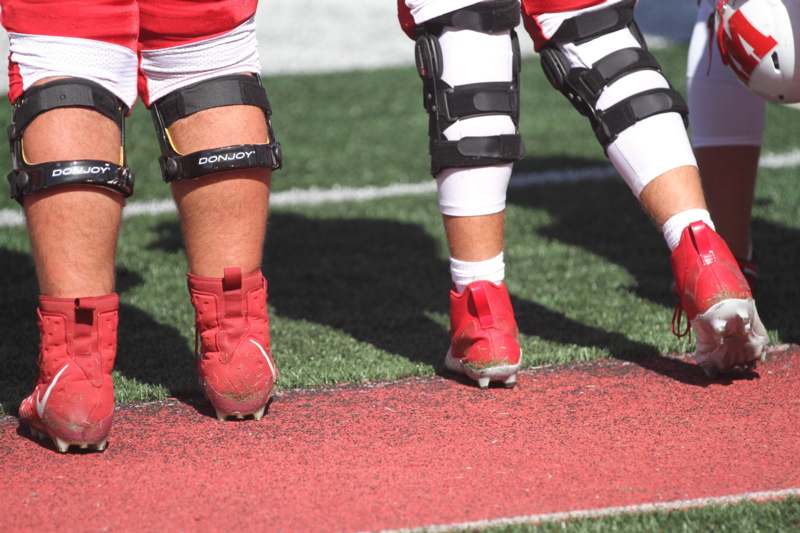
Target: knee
(215, 125)
(68, 131)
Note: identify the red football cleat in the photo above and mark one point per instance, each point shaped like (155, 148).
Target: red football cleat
(483, 334)
(235, 365)
(718, 301)
(73, 401)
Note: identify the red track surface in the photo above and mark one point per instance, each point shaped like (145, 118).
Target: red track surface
(420, 452)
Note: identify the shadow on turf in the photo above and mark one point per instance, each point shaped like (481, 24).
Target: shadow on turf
(605, 219)
(145, 345)
(378, 280)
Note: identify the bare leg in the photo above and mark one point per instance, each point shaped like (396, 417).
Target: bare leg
(475, 238)
(223, 216)
(729, 179)
(672, 192)
(73, 229)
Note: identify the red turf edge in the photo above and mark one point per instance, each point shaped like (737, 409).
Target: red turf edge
(421, 452)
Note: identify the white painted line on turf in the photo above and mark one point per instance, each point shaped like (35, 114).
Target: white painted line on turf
(674, 505)
(782, 160)
(10, 218)
(13, 217)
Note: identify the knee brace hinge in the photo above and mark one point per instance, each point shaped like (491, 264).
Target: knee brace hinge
(446, 105)
(26, 179)
(219, 92)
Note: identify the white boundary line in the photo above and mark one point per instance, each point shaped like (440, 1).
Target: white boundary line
(608, 511)
(13, 217)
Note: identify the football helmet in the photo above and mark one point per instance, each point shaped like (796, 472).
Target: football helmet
(760, 41)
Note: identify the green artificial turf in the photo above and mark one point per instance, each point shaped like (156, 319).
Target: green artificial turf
(358, 291)
(769, 517)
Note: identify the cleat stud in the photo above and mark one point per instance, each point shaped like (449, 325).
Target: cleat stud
(483, 382)
(101, 446)
(239, 416)
(221, 416)
(510, 381)
(260, 413)
(84, 446)
(61, 445)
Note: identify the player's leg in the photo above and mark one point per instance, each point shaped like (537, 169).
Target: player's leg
(727, 144)
(468, 57)
(218, 152)
(595, 55)
(70, 95)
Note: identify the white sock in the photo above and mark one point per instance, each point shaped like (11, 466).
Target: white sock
(675, 225)
(465, 272)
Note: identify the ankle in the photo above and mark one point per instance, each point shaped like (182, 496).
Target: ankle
(674, 226)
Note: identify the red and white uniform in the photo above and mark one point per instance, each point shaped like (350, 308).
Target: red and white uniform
(149, 47)
(723, 112)
(540, 30)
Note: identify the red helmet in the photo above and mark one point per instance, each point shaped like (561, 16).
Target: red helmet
(760, 41)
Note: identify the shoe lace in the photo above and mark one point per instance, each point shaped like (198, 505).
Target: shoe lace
(677, 318)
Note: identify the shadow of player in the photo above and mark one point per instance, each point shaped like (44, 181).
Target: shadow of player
(605, 219)
(380, 281)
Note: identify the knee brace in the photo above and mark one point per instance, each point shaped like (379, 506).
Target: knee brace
(583, 86)
(25, 179)
(446, 105)
(224, 91)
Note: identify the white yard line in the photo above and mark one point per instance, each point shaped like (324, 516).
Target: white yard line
(13, 217)
(610, 511)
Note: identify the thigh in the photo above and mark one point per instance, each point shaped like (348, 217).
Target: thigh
(183, 42)
(95, 40)
(542, 18)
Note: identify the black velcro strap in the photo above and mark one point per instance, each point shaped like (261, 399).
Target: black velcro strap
(43, 176)
(206, 162)
(622, 115)
(69, 92)
(484, 17)
(499, 98)
(475, 152)
(219, 92)
(589, 83)
(621, 63)
(590, 25)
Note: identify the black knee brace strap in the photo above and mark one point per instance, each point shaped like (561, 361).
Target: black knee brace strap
(583, 86)
(446, 105)
(26, 179)
(485, 17)
(219, 92)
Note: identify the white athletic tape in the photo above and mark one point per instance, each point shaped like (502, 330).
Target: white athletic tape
(13, 217)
